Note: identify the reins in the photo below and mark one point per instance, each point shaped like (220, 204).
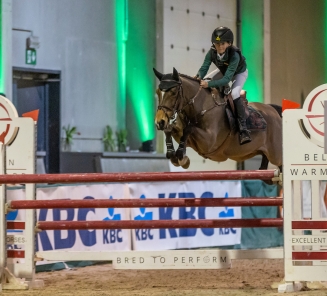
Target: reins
(180, 95)
(192, 100)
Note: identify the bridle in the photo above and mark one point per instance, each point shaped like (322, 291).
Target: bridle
(171, 84)
(180, 94)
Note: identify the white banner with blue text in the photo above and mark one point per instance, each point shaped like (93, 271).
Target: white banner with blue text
(106, 239)
(164, 239)
(78, 240)
(141, 239)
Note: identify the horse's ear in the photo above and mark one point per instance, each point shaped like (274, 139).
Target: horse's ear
(158, 74)
(175, 74)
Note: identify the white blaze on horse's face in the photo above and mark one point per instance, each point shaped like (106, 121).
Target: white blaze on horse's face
(160, 120)
(166, 109)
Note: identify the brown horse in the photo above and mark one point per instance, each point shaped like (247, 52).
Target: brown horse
(191, 115)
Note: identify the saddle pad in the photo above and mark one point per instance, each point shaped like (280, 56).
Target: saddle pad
(255, 121)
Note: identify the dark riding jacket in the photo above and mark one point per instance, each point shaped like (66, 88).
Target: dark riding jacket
(231, 64)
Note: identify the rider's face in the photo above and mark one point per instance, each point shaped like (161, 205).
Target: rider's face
(222, 46)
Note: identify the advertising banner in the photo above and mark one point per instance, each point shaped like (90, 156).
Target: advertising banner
(106, 239)
(164, 239)
(139, 239)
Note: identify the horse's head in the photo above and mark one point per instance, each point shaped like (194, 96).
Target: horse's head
(168, 103)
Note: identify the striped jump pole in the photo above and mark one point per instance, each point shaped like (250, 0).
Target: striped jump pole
(160, 224)
(140, 177)
(144, 203)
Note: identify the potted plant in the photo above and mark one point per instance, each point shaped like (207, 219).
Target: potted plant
(68, 141)
(122, 140)
(108, 140)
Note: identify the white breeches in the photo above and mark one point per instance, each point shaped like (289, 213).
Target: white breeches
(238, 84)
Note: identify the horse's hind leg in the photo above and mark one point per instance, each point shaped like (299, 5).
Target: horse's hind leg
(264, 162)
(264, 166)
(170, 149)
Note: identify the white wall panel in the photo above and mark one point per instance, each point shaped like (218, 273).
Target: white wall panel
(189, 64)
(177, 4)
(195, 59)
(225, 8)
(196, 33)
(196, 6)
(173, 59)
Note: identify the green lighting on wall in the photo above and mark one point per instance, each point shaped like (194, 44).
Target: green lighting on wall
(135, 39)
(252, 47)
(140, 61)
(142, 99)
(121, 37)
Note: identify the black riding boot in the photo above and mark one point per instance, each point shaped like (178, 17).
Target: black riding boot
(244, 132)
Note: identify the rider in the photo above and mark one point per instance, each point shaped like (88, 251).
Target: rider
(232, 65)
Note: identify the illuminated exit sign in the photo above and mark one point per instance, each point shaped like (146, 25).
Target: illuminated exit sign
(30, 57)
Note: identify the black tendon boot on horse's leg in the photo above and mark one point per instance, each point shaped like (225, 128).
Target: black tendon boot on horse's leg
(183, 159)
(241, 119)
(170, 149)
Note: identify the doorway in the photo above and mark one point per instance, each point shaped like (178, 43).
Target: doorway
(40, 89)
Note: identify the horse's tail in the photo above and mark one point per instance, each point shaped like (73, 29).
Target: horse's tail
(277, 108)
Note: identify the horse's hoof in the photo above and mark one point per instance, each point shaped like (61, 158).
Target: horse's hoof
(174, 161)
(170, 155)
(184, 162)
(179, 154)
(187, 164)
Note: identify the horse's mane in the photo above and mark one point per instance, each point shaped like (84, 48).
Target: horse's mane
(194, 79)
(189, 77)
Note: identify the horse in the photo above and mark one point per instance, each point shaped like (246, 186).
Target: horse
(194, 118)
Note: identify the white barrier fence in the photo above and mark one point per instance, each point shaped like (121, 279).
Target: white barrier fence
(305, 169)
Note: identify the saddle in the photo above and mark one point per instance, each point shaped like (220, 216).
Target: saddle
(254, 120)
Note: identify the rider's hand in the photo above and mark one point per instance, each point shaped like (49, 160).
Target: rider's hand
(204, 84)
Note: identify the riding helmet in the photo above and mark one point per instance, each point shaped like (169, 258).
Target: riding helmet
(222, 34)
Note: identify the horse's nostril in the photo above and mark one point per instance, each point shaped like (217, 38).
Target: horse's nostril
(162, 123)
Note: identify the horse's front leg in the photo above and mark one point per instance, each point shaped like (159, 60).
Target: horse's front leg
(183, 160)
(170, 148)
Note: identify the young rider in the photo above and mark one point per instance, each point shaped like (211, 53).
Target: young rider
(231, 63)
